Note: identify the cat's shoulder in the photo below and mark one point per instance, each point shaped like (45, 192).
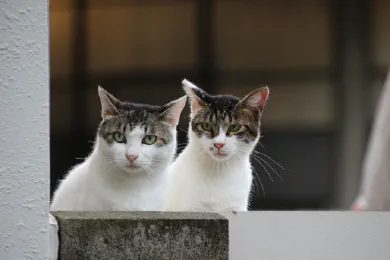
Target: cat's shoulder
(77, 172)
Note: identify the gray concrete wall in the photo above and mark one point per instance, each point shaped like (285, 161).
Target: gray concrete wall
(309, 235)
(24, 129)
(142, 235)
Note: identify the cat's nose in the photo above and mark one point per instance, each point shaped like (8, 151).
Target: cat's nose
(219, 145)
(131, 157)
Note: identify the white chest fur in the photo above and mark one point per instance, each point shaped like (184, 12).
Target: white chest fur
(90, 187)
(198, 183)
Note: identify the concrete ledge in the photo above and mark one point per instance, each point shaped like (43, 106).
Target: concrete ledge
(309, 235)
(142, 235)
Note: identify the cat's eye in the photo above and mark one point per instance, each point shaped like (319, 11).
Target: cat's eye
(206, 126)
(234, 128)
(119, 137)
(149, 139)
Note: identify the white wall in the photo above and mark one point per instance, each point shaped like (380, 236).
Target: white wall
(309, 235)
(24, 129)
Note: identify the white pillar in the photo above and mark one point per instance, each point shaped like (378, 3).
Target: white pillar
(24, 129)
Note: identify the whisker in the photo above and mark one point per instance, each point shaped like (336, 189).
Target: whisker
(149, 171)
(271, 168)
(265, 169)
(255, 183)
(109, 163)
(261, 146)
(257, 158)
(158, 160)
(261, 183)
(241, 150)
(275, 162)
(111, 169)
(241, 157)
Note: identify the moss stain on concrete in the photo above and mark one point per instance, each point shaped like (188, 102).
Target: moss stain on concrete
(142, 235)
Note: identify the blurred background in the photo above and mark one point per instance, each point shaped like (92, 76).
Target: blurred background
(324, 61)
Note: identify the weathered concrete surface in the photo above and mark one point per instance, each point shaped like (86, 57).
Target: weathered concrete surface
(142, 236)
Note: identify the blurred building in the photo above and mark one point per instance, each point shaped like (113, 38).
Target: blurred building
(324, 62)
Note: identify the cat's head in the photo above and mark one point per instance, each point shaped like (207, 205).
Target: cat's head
(138, 137)
(224, 126)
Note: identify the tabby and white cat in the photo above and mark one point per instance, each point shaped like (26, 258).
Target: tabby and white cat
(214, 173)
(127, 169)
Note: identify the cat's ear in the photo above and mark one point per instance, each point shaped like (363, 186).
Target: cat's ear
(108, 102)
(255, 100)
(171, 114)
(194, 94)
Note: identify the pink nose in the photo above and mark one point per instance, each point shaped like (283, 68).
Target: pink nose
(219, 145)
(131, 157)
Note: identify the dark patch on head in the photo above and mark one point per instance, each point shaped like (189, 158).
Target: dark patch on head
(223, 111)
(132, 115)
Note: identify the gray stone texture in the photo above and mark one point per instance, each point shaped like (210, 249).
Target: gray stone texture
(142, 236)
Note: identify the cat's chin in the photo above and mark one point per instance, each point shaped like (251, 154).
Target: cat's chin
(220, 157)
(133, 169)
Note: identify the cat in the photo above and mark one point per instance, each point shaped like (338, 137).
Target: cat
(213, 173)
(127, 169)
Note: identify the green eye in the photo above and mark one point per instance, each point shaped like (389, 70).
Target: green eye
(234, 128)
(206, 126)
(119, 137)
(149, 139)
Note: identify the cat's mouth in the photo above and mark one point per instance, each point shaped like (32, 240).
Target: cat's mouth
(133, 166)
(220, 153)
(217, 152)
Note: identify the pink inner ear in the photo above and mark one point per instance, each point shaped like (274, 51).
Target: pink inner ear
(194, 100)
(195, 106)
(171, 121)
(264, 95)
(255, 101)
(258, 99)
(172, 118)
(172, 115)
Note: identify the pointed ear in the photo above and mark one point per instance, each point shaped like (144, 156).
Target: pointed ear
(194, 94)
(256, 99)
(171, 115)
(108, 103)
